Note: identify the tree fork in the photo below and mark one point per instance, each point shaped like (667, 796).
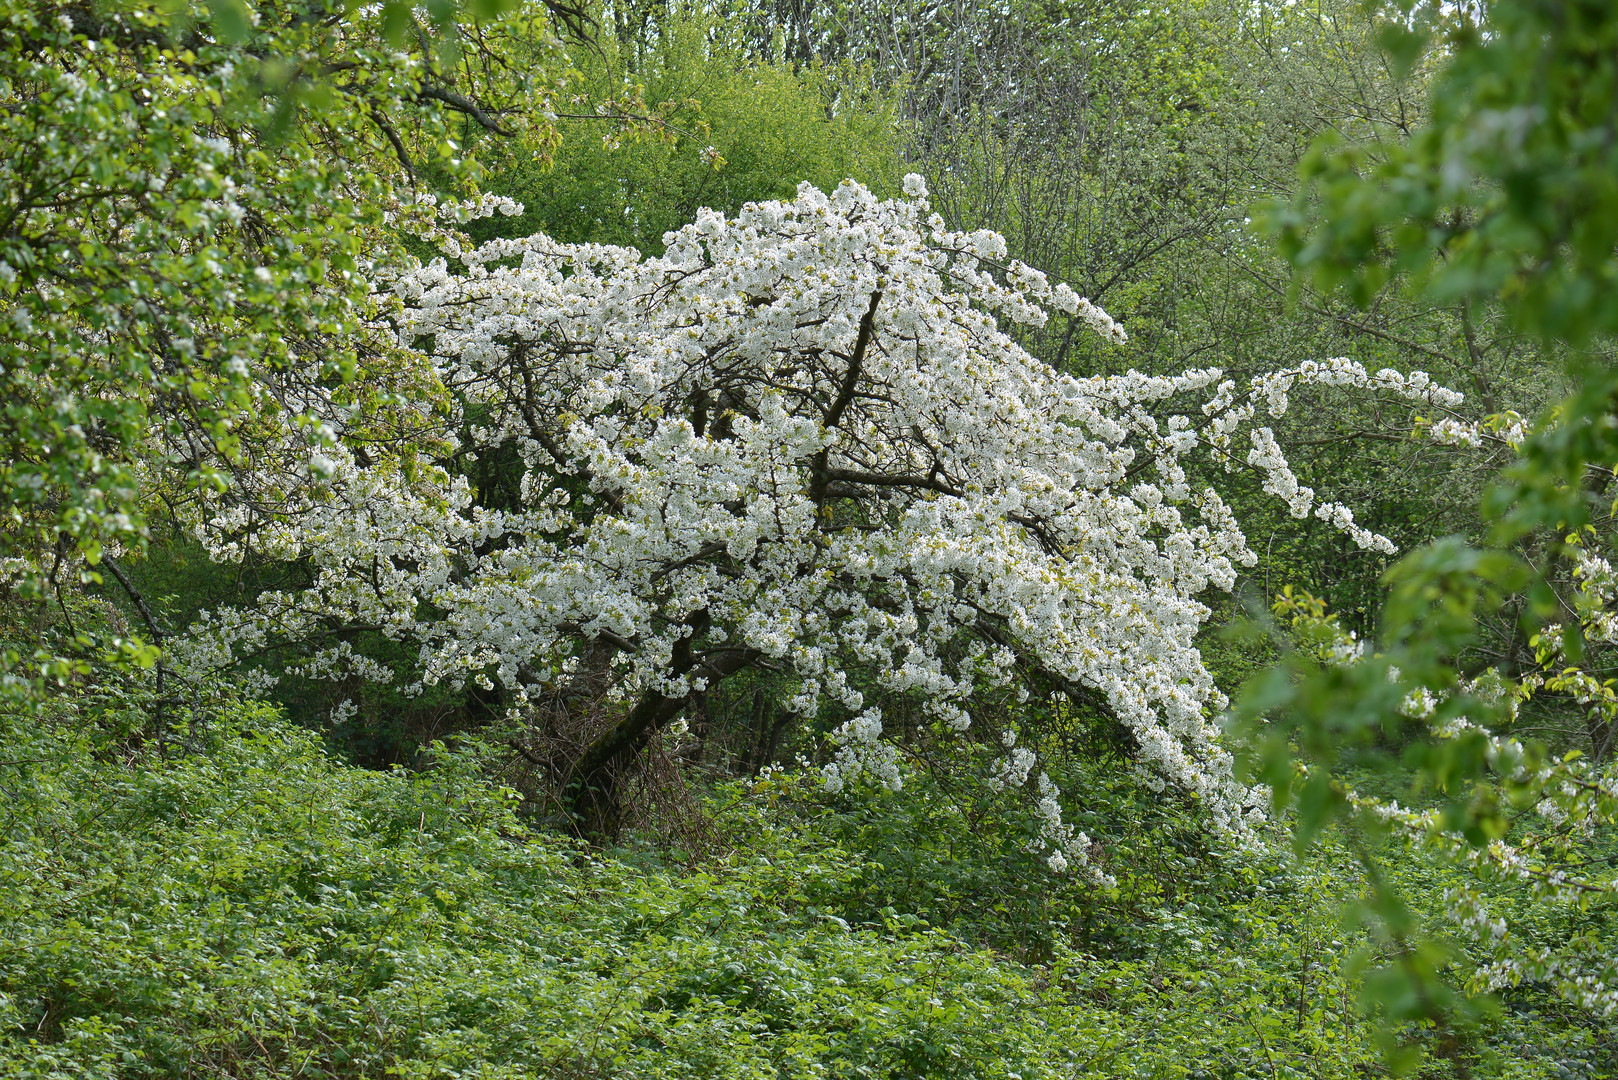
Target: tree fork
(845, 396)
(592, 794)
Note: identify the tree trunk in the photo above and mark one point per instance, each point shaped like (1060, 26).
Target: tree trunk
(593, 795)
(594, 792)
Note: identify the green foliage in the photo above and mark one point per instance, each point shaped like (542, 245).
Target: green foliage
(773, 127)
(1499, 199)
(1509, 191)
(260, 909)
(191, 198)
(1464, 890)
(1502, 200)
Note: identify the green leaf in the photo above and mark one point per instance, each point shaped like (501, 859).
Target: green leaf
(1403, 44)
(232, 20)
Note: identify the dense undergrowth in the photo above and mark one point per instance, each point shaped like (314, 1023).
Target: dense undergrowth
(241, 903)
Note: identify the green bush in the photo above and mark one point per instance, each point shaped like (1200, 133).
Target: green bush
(259, 909)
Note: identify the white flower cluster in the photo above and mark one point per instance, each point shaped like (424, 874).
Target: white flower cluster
(800, 440)
(860, 750)
(1061, 845)
(1271, 394)
(1508, 430)
(1451, 432)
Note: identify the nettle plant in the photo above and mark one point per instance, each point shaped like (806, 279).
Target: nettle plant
(803, 441)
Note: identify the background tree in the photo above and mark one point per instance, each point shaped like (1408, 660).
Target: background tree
(190, 207)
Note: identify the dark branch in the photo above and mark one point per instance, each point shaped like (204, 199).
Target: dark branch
(463, 104)
(135, 597)
(845, 395)
(856, 363)
(397, 143)
(910, 480)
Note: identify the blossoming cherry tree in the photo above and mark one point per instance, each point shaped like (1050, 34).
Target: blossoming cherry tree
(804, 440)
